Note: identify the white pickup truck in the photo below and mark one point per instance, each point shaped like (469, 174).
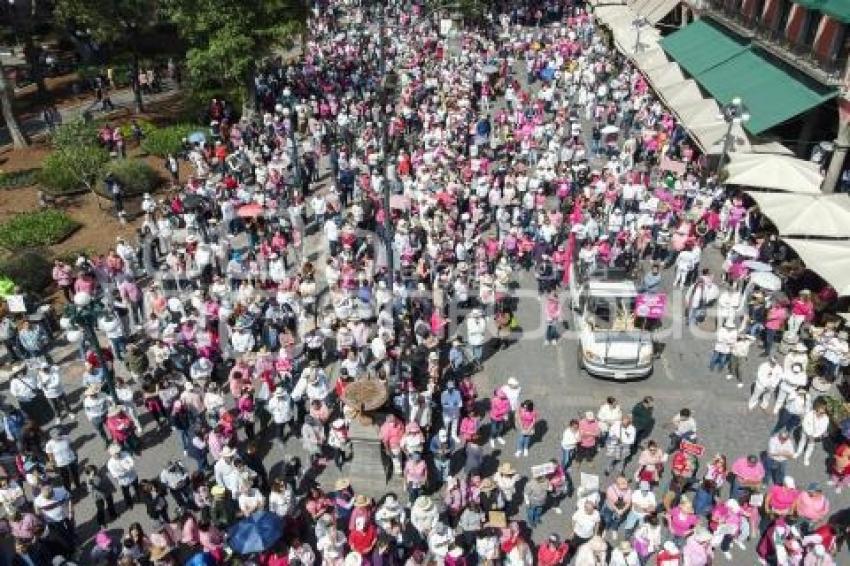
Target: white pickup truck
(609, 343)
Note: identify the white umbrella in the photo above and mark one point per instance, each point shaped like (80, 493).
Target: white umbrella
(778, 172)
(824, 215)
(754, 265)
(766, 280)
(828, 258)
(610, 129)
(745, 250)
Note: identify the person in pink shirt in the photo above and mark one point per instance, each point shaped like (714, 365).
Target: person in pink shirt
(781, 499)
(64, 278)
(726, 522)
(747, 473)
(500, 407)
(812, 507)
(526, 421)
(802, 310)
(774, 324)
(469, 426)
(681, 520)
(589, 432)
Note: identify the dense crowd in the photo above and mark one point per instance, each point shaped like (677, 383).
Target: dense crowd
(522, 147)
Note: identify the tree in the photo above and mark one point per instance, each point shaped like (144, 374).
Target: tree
(229, 38)
(7, 100)
(113, 21)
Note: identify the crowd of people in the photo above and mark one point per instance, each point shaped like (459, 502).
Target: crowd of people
(524, 147)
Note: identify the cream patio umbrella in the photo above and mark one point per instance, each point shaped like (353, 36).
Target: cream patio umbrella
(777, 172)
(793, 214)
(828, 258)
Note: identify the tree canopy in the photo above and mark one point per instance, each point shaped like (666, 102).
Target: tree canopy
(229, 38)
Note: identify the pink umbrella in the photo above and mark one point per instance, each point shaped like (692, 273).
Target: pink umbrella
(251, 210)
(399, 202)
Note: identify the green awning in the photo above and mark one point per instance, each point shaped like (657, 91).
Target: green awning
(771, 93)
(701, 46)
(836, 9)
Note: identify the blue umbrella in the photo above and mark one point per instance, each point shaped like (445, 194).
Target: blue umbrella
(256, 533)
(201, 559)
(197, 137)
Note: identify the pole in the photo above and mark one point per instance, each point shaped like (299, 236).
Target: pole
(385, 186)
(724, 154)
(836, 162)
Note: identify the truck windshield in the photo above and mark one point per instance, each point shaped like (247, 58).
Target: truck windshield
(610, 313)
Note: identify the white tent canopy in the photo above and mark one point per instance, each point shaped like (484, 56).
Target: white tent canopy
(806, 215)
(778, 172)
(829, 259)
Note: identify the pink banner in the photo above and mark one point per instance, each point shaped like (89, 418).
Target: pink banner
(650, 305)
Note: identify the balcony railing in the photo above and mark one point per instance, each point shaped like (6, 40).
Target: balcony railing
(773, 39)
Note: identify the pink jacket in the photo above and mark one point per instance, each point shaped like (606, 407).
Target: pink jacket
(499, 408)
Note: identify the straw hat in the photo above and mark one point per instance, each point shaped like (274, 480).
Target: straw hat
(513, 382)
(487, 484)
(506, 469)
(92, 389)
(218, 490)
(160, 552)
(342, 483)
(424, 503)
(361, 500)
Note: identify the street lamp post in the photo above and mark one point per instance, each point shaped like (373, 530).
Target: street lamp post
(83, 314)
(638, 23)
(734, 113)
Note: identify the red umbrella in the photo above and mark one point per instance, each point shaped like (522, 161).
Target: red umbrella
(251, 210)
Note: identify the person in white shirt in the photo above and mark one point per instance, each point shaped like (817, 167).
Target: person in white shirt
(585, 522)
(609, 413)
(280, 408)
(122, 468)
(815, 427)
(95, 406)
(727, 335)
(50, 382)
(621, 438)
(54, 505)
(643, 503)
(569, 442)
(112, 327)
(780, 449)
(250, 500)
(791, 380)
(24, 388)
(226, 473)
(768, 377)
(61, 454)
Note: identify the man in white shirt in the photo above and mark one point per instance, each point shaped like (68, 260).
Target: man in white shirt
(95, 406)
(122, 468)
(61, 454)
(780, 448)
(768, 376)
(621, 438)
(226, 473)
(54, 505)
(643, 503)
(585, 522)
(50, 382)
(815, 427)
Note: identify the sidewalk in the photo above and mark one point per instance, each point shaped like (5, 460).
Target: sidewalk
(122, 99)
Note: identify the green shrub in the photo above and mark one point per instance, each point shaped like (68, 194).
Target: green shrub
(71, 169)
(30, 270)
(167, 140)
(18, 179)
(135, 176)
(127, 129)
(74, 134)
(36, 229)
